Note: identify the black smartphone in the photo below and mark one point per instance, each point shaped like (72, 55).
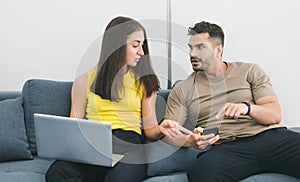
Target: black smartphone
(214, 130)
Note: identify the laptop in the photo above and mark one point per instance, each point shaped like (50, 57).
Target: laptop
(76, 140)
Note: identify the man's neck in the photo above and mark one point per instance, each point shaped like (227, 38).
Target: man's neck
(217, 71)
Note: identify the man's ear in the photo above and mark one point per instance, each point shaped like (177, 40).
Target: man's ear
(219, 49)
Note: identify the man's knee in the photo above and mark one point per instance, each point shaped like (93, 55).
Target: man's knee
(203, 170)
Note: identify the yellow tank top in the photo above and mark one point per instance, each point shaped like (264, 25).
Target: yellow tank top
(124, 114)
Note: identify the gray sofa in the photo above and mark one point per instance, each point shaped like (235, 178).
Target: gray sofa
(18, 155)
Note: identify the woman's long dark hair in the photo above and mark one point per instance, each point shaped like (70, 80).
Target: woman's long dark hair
(112, 63)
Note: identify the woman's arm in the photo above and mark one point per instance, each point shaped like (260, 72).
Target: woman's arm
(151, 127)
(78, 97)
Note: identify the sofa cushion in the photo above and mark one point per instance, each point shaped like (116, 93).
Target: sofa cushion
(22, 177)
(37, 165)
(25, 171)
(13, 141)
(46, 97)
(264, 177)
(273, 177)
(174, 177)
(165, 159)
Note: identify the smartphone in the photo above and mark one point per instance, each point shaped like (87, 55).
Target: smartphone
(214, 130)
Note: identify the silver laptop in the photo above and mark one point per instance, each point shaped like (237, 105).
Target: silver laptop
(76, 140)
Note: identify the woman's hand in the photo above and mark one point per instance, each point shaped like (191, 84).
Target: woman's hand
(169, 128)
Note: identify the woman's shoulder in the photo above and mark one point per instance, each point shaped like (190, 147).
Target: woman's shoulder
(92, 72)
(85, 79)
(81, 80)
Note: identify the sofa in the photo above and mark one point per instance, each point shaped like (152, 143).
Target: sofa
(19, 161)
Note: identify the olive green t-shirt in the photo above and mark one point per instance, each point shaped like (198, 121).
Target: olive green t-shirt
(196, 100)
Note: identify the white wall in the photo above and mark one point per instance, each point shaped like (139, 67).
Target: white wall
(265, 32)
(50, 39)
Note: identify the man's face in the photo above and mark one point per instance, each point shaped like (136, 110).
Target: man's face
(202, 52)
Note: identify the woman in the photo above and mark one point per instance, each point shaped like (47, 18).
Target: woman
(121, 89)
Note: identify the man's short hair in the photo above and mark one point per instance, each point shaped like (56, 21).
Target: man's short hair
(214, 30)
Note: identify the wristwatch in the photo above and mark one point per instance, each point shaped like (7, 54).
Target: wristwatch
(249, 107)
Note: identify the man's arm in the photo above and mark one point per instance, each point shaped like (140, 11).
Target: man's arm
(176, 114)
(266, 110)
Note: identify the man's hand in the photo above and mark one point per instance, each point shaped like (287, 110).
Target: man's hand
(179, 136)
(232, 110)
(199, 141)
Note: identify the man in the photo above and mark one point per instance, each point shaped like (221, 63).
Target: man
(239, 99)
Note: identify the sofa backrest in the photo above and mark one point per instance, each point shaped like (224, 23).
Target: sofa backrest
(9, 95)
(161, 102)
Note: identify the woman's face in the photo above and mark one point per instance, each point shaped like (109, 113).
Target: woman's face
(134, 48)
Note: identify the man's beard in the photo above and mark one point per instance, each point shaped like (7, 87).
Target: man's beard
(198, 69)
(199, 60)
